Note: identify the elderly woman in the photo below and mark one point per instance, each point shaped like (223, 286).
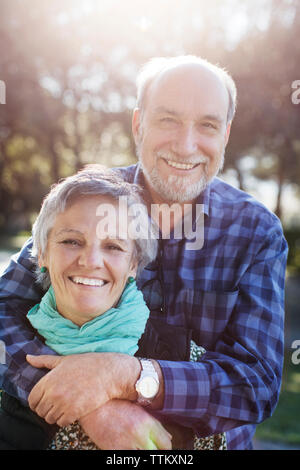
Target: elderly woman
(88, 265)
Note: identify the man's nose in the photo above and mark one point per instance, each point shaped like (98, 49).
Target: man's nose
(186, 141)
(92, 257)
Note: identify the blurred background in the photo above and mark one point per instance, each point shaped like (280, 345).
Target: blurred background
(67, 77)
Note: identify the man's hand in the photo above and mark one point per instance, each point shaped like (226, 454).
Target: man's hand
(122, 425)
(80, 383)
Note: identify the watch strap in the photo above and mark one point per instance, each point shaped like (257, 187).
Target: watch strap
(148, 370)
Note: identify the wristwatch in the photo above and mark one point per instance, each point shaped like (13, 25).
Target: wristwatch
(147, 385)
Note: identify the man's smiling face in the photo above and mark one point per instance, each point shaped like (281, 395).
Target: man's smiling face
(182, 131)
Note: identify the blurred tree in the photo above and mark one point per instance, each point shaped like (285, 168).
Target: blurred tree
(265, 64)
(59, 98)
(70, 68)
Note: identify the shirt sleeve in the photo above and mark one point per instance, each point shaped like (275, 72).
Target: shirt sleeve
(18, 293)
(239, 381)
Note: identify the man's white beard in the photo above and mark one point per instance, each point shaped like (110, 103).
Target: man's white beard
(177, 188)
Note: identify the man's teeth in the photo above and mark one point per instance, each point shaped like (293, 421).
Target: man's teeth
(181, 166)
(88, 282)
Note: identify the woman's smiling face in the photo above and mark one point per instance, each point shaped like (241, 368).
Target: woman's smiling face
(88, 267)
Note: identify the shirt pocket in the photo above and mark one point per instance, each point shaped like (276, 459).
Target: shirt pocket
(211, 312)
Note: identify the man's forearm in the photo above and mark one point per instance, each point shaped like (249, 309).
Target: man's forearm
(18, 293)
(124, 377)
(218, 394)
(17, 376)
(80, 383)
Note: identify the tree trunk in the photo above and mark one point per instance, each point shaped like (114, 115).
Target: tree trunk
(280, 180)
(239, 177)
(278, 210)
(54, 163)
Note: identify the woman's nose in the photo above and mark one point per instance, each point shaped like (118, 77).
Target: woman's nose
(92, 258)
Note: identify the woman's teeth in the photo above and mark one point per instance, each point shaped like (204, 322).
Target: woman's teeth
(88, 282)
(181, 166)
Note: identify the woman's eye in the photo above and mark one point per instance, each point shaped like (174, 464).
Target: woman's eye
(71, 242)
(114, 247)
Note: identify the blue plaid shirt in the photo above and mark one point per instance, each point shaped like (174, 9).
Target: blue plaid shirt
(230, 293)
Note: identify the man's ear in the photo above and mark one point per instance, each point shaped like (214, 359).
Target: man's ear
(227, 133)
(136, 122)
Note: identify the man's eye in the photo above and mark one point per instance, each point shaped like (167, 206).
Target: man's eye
(208, 125)
(167, 120)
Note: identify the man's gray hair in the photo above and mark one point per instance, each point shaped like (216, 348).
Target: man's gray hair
(93, 180)
(157, 65)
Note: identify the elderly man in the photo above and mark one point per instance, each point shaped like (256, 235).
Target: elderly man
(226, 294)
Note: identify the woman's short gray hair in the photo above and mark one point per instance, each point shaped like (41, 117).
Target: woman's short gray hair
(157, 65)
(92, 180)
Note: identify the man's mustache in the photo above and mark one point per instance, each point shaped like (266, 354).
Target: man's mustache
(191, 160)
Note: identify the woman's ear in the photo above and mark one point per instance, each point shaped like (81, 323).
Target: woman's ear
(41, 260)
(133, 268)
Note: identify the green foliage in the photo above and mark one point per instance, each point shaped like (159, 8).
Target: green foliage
(284, 425)
(292, 236)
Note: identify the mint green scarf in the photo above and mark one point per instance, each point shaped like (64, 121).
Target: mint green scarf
(117, 330)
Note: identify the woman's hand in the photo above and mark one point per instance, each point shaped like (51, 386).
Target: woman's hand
(123, 425)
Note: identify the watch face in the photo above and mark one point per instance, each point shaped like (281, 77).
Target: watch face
(148, 387)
